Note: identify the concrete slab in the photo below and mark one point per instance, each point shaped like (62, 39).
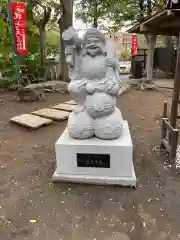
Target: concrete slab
(64, 107)
(30, 121)
(71, 102)
(52, 114)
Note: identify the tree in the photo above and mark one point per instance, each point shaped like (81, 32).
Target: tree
(5, 40)
(65, 21)
(126, 55)
(41, 14)
(64, 14)
(99, 12)
(115, 13)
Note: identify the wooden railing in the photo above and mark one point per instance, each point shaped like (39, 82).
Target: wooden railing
(169, 136)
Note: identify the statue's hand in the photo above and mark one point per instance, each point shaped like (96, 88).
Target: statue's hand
(111, 62)
(90, 88)
(69, 50)
(110, 84)
(112, 87)
(77, 86)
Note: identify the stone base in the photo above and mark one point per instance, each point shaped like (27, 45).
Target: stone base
(95, 161)
(123, 181)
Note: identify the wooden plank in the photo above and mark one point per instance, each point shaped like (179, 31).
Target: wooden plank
(30, 121)
(168, 125)
(71, 102)
(52, 114)
(64, 107)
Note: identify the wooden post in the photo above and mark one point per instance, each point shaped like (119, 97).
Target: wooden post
(174, 143)
(163, 133)
(175, 98)
(150, 57)
(163, 125)
(165, 110)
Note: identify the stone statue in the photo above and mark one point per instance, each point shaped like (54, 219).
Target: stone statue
(95, 84)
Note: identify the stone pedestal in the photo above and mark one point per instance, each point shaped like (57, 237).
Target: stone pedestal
(95, 161)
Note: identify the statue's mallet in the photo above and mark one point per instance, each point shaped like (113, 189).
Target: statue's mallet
(71, 38)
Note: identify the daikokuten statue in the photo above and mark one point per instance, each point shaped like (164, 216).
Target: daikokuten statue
(95, 84)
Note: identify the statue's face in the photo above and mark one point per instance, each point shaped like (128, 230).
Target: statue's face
(94, 46)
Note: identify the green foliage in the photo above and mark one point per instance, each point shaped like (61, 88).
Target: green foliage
(126, 55)
(38, 15)
(105, 11)
(115, 13)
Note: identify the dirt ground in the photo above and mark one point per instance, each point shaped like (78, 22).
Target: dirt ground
(31, 207)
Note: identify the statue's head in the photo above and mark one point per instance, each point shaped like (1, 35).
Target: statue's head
(94, 42)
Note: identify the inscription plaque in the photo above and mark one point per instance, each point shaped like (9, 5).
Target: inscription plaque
(93, 160)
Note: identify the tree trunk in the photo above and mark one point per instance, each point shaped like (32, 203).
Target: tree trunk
(65, 21)
(95, 17)
(149, 8)
(42, 50)
(141, 6)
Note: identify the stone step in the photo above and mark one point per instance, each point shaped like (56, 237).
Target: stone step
(71, 102)
(30, 121)
(52, 114)
(64, 107)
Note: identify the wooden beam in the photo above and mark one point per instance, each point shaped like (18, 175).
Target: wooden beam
(160, 23)
(168, 125)
(166, 32)
(175, 99)
(174, 23)
(170, 13)
(159, 16)
(144, 28)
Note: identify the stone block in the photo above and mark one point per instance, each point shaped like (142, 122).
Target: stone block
(95, 161)
(64, 107)
(71, 102)
(30, 121)
(52, 114)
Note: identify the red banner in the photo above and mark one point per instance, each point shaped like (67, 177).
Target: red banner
(134, 45)
(19, 23)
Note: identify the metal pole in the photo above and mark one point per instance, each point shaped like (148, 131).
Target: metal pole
(14, 52)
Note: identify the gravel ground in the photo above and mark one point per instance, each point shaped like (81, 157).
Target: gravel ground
(31, 207)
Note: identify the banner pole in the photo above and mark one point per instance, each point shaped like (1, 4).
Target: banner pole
(14, 52)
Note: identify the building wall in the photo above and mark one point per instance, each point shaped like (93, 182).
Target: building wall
(124, 40)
